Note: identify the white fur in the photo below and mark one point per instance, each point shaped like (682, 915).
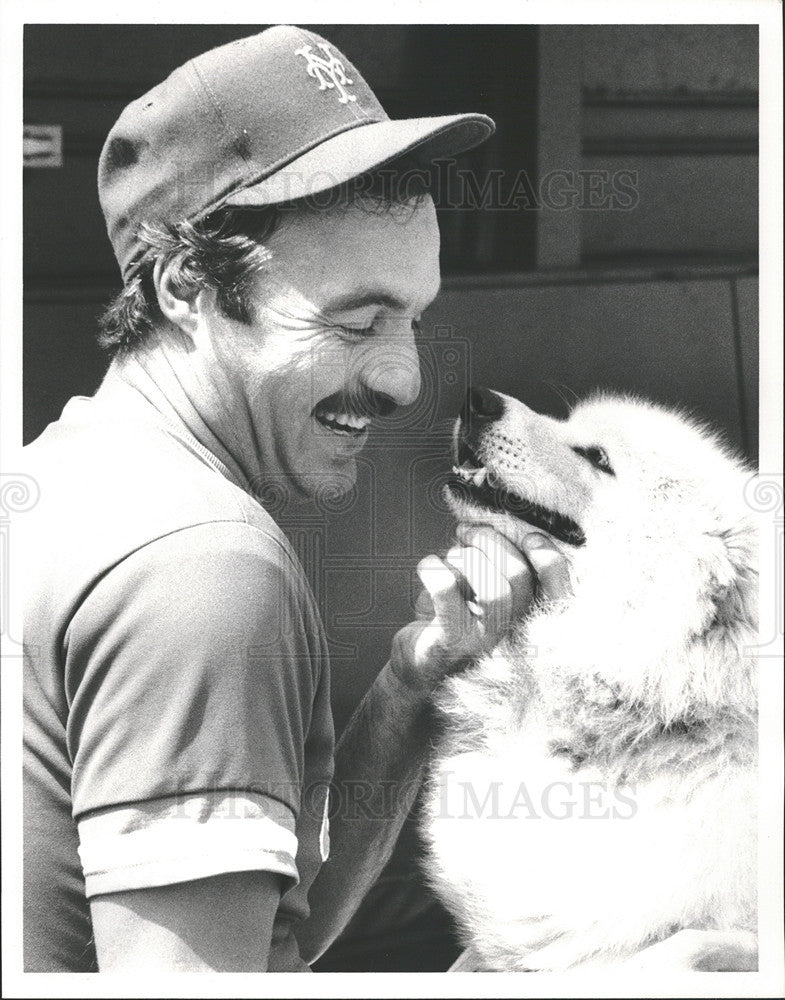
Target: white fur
(641, 683)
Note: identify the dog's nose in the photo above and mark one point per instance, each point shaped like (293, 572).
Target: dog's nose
(482, 404)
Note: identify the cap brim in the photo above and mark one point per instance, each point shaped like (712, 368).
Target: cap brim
(359, 150)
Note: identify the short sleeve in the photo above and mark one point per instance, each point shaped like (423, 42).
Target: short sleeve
(191, 669)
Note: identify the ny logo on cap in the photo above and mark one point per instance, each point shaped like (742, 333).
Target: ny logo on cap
(329, 72)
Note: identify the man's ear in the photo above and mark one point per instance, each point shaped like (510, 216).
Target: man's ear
(181, 308)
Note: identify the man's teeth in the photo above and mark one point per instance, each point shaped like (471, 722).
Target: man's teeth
(345, 421)
(471, 475)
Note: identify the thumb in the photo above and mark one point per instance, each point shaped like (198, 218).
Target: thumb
(423, 608)
(550, 565)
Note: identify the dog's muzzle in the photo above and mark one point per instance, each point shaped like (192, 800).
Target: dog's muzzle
(475, 483)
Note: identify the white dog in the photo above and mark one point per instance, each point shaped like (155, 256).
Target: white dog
(595, 787)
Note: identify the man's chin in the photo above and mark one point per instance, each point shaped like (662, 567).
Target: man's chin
(331, 490)
(299, 491)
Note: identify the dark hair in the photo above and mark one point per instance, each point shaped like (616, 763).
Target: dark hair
(226, 250)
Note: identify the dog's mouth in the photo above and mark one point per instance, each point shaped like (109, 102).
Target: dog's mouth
(473, 481)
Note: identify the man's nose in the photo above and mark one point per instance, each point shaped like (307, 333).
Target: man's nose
(393, 370)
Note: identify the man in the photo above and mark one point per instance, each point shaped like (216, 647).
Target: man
(178, 738)
(179, 741)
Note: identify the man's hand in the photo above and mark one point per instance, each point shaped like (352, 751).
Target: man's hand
(699, 951)
(471, 598)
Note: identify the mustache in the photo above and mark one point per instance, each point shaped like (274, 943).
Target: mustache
(362, 402)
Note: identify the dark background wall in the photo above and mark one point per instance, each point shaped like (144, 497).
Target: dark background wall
(606, 236)
(673, 106)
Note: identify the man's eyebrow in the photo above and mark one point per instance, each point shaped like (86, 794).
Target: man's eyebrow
(372, 297)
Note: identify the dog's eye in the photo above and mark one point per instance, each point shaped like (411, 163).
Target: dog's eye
(598, 458)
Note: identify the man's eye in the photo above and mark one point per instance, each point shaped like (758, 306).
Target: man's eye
(359, 331)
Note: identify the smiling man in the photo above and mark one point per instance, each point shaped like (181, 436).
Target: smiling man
(179, 742)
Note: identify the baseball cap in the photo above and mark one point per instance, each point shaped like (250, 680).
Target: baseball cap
(271, 118)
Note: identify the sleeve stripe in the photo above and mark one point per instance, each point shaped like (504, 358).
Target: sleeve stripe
(158, 873)
(132, 848)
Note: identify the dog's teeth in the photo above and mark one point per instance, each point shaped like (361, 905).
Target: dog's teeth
(479, 476)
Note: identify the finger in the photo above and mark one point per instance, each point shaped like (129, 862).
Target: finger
(452, 636)
(447, 596)
(485, 583)
(550, 566)
(508, 560)
(464, 532)
(471, 602)
(498, 549)
(486, 592)
(423, 607)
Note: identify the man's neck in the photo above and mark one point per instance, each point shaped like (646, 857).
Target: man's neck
(149, 381)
